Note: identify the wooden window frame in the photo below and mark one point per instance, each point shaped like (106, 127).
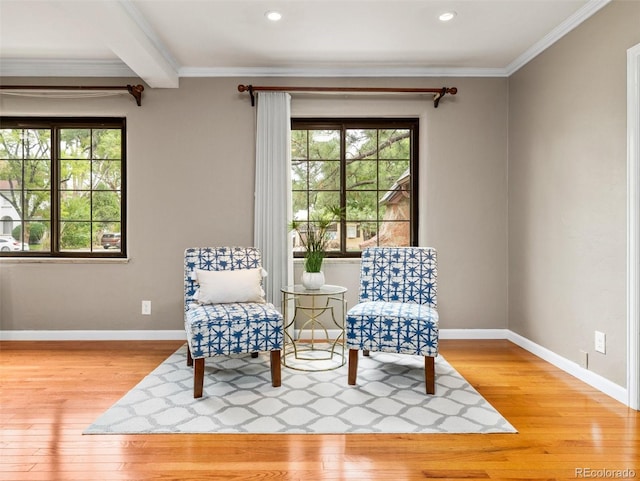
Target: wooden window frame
(344, 124)
(55, 124)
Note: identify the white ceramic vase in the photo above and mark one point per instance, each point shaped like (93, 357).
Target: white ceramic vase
(312, 280)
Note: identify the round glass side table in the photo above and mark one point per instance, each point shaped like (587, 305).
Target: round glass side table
(311, 347)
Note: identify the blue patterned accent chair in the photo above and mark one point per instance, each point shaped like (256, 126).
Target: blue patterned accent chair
(396, 310)
(222, 313)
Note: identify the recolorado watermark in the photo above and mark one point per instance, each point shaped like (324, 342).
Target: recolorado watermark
(590, 473)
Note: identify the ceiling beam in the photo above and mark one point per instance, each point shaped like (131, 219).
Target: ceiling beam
(117, 24)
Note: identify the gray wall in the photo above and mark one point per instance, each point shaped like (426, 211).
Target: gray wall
(567, 191)
(463, 191)
(190, 177)
(557, 127)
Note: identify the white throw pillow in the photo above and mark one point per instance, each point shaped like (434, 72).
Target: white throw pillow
(219, 287)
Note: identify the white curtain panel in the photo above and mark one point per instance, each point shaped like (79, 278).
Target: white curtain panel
(273, 191)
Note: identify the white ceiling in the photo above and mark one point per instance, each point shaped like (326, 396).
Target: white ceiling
(163, 40)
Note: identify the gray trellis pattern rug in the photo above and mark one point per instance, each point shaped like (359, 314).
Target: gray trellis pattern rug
(238, 398)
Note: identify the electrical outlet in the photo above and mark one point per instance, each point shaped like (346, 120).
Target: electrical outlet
(584, 359)
(146, 308)
(600, 342)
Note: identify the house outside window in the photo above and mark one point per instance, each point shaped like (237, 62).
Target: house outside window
(62, 184)
(369, 168)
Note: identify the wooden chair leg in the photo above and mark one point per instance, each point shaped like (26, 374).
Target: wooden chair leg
(189, 358)
(430, 374)
(198, 377)
(254, 355)
(353, 366)
(365, 352)
(276, 369)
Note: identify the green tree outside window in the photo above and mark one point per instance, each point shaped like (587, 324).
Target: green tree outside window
(366, 167)
(64, 180)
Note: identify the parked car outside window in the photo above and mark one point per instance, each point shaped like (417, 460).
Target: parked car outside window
(76, 190)
(8, 243)
(110, 240)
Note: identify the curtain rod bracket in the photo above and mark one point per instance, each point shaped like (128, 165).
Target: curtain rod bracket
(438, 96)
(136, 91)
(438, 92)
(248, 88)
(443, 91)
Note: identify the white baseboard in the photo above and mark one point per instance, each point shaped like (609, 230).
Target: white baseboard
(592, 379)
(474, 333)
(93, 335)
(444, 334)
(170, 335)
(617, 392)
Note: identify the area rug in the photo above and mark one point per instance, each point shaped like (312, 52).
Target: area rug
(238, 398)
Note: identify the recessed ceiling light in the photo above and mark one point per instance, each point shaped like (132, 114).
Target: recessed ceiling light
(447, 16)
(273, 15)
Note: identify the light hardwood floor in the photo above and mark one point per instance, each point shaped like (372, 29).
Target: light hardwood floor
(51, 391)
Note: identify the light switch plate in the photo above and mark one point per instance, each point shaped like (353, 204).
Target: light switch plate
(146, 308)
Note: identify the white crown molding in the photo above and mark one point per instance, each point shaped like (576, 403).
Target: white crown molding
(64, 68)
(164, 60)
(117, 68)
(556, 34)
(398, 72)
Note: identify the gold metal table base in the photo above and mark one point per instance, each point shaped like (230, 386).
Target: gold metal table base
(320, 352)
(318, 356)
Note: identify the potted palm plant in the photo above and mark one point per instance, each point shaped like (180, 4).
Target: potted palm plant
(314, 237)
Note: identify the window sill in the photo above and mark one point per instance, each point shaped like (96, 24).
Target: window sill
(331, 260)
(64, 260)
